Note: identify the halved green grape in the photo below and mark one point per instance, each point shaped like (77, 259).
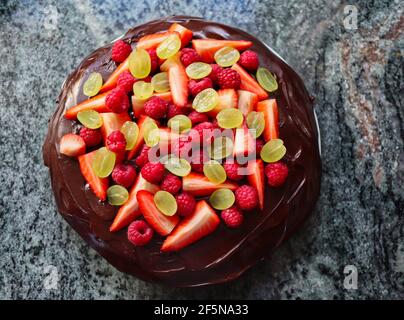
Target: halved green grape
(255, 121)
(139, 63)
(273, 150)
(206, 100)
(160, 82)
(178, 166)
(180, 123)
(227, 56)
(267, 80)
(131, 132)
(143, 90)
(90, 119)
(169, 47)
(103, 162)
(222, 199)
(117, 195)
(221, 148)
(151, 133)
(165, 202)
(198, 70)
(93, 84)
(230, 118)
(214, 171)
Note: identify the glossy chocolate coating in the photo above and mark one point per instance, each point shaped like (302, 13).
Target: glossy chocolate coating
(224, 254)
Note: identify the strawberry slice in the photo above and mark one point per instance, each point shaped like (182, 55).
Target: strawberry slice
(138, 104)
(185, 34)
(178, 80)
(98, 185)
(159, 222)
(168, 138)
(112, 121)
(72, 145)
(140, 138)
(113, 78)
(256, 178)
(247, 101)
(244, 143)
(270, 109)
(227, 99)
(199, 224)
(130, 210)
(151, 41)
(207, 48)
(248, 83)
(200, 186)
(96, 103)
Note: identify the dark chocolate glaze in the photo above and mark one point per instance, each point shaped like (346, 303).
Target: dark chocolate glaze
(225, 254)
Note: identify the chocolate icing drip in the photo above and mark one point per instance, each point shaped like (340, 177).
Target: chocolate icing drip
(225, 254)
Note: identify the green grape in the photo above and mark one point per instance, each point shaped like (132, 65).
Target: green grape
(267, 80)
(93, 84)
(222, 199)
(103, 162)
(205, 100)
(131, 133)
(90, 119)
(214, 171)
(226, 56)
(198, 70)
(165, 202)
(230, 118)
(143, 90)
(273, 151)
(255, 121)
(169, 47)
(221, 148)
(117, 195)
(160, 82)
(151, 133)
(139, 63)
(178, 166)
(179, 123)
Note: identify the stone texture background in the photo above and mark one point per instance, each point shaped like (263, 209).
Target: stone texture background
(356, 77)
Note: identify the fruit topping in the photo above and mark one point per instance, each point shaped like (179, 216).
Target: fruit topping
(151, 133)
(270, 110)
(117, 100)
(169, 47)
(174, 110)
(207, 48)
(171, 183)
(197, 161)
(230, 118)
(124, 175)
(232, 217)
(178, 166)
(249, 60)
(154, 60)
(140, 233)
(199, 185)
(116, 141)
(189, 56)
(143, 90)
(228, 79)
(90, 119)
(227, 56)
(143, 156)
(246, 197)
(196, 86)
(160, 82)
(140, 63)
(151, 41)
(273, 151)
(103, 162)
(153, 172)
(244, 145)
(256, 123)
(222, 199)
(227, 99)
(221, 148)
(184, 33)
(276, 174)
(126, 81)
(233, 171)
(198, 70)
(96, 103)
(178, 85)
(93, 84)
(72, 145)
(259, 143)
(193, 227)
(185, 204)
(267, 80)
(205, 100)
(117, 195)
(214, 171)
(131, 132)
(165, 202)
(113, 78)
(248, 83)
(156, 107)
(215, 71)
(120, 51)
(91, 137)
(179, 123)
(247, 101)
(256, 178)
(197, 117)
(112, 122)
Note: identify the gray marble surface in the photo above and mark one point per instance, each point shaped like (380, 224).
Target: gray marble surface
(356, 75)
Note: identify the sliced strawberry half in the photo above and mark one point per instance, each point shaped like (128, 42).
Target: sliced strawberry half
(248, 83)
(244, 143)
(112, 121)
(72, 145)
(96, 103)
(207, 48)
(270, 109)
(256, 178)
(130, 210)
(138, 104)
(98, 185)
(113, 78)
(202, 222)
(247, 101)
(140, 139)
(199, 185)
(159, 222)
(227, 99)
(185, 34)
(151, 41)
(178, 80)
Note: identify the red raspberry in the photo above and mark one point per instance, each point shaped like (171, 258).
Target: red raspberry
(116, 141)
(189, 56)
(215, 70)
(276, 173)
(156, 107)
(197, 86)
(126, 81)
(153, 172)
(246, 197)
(232, 217)
(232, 171)
(228, 79)
(120, 51)
(143, 156)
(197, 162)
(197, 117)
(91, 137)
(117, 100)
(154, 59)
(124, 175)
(259, 143)
(249, 60)
(205, 132)
(171, 183)
(140, 233)
(182, 147)
(185, 204)
(174, 110)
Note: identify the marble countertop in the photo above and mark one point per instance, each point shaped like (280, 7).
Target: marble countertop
(351, 59)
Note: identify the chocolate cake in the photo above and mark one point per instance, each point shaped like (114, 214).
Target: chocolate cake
(223, 253)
